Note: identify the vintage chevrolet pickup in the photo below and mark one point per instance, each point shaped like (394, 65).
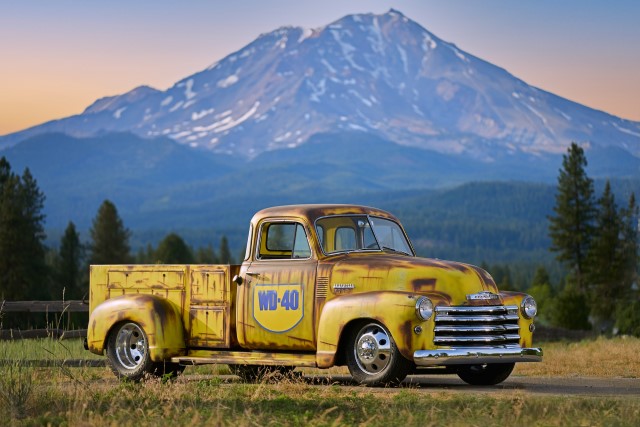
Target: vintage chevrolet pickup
(320, 286)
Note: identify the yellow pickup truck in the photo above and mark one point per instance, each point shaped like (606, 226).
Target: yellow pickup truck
(320, 286)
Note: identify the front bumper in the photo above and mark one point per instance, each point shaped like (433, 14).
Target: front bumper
(476, 355)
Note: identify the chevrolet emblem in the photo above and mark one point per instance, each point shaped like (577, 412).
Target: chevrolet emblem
(484, 295)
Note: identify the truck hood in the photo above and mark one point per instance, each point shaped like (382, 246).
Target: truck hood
(445, 282)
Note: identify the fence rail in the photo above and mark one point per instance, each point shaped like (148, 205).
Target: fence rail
(59, 334)
(71, 306)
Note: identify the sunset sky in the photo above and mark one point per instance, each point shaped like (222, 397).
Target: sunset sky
(57, 57)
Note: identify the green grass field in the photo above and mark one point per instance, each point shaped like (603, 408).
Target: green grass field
(92, 396)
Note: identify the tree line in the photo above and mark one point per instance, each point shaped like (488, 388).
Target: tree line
(29, 270)
(597, 242)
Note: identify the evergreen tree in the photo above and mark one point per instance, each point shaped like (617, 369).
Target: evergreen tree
(109, 237)
(23, 270)
(173, 250)
(570, 309)
(225, 253)
(146, 255)
(606, 270)
(206, 255)
(629, 219)
(628, 311)
(68, 273)
(571, 228)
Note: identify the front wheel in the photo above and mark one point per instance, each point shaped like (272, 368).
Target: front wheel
(128, 352)
(373, 358)
(489, 374)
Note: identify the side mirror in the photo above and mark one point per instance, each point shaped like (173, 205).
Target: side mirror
(238, 280)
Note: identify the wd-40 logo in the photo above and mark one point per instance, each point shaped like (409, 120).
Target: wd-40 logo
(278, 308)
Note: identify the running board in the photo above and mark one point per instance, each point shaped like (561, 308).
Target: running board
(205, 357)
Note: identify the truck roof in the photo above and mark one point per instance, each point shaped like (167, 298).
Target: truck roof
(313, 212)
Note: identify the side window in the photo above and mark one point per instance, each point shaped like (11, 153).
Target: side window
(320, 233)
(301, 247)
(283, 240)
(345, 239)
(280, 237)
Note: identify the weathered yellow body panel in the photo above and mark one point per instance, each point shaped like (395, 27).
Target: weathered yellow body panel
(158, 317)
(178, 306)
(394, 309)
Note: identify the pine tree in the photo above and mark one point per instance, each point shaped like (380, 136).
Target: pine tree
(606, 271)
(109, 237)
(206, 255)
(628, 311)
(68, 273)
(630, 223)
(225, 253)
(23, 270)
(173, 250)
(571, 228)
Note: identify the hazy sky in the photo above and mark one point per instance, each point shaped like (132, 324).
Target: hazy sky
(58, 56)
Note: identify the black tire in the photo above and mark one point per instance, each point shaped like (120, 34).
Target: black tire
(490, 374)
(128, 352)
(373, 358)
(259, 373)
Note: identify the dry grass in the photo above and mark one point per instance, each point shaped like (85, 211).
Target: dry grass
(59, 400)
(603, 357)
(91, 396)
(45, 349)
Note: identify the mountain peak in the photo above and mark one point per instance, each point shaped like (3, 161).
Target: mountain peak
(381, 74)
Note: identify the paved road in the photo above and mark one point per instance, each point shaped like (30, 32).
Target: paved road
(537, 385)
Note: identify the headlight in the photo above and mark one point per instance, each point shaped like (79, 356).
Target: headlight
(529, 307)
(424, 308)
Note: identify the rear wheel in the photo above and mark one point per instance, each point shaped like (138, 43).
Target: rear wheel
(489, 374)
(128, 352)
(255, 373)
(373, 358)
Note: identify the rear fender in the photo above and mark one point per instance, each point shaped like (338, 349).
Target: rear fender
(160, 319)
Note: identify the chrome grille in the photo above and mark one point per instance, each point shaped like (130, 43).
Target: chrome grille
(477, 326)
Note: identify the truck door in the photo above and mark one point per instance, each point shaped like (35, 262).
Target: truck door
(276, 301)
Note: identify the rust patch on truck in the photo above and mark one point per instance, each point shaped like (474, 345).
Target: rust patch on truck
(423, 285)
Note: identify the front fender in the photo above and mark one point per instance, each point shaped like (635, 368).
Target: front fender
(394, 309)
(159, 318)
(526, 325)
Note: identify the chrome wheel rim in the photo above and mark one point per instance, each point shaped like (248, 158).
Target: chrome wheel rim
(373, 349)
(131, 346)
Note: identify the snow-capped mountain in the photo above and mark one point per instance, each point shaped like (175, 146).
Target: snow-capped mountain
(381, 74)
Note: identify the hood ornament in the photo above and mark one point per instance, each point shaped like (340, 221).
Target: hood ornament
(483, 296)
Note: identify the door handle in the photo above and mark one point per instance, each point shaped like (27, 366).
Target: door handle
(238, 280)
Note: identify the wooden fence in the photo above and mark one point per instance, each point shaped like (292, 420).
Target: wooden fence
(71, 306)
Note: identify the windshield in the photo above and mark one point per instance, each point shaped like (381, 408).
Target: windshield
(360, 233)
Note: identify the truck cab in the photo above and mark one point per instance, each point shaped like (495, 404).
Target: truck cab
(320, 286)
